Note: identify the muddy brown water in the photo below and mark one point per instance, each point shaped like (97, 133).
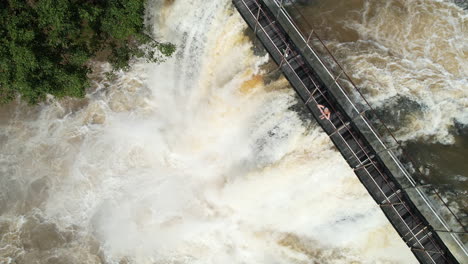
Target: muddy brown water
(394, 31)
(78, 177)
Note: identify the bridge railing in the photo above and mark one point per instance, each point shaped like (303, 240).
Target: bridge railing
(446, 223)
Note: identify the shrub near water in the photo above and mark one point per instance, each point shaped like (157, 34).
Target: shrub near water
(45, 44)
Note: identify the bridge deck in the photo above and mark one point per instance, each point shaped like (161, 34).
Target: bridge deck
(372, 160)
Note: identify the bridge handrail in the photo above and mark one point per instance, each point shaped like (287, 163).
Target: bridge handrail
(279, 4)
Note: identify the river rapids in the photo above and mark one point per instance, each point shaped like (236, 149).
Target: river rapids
(206, 158)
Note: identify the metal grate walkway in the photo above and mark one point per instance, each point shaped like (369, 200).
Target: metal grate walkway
(376, 166)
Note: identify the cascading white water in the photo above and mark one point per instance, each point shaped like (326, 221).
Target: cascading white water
(410, 58)
(195, 160)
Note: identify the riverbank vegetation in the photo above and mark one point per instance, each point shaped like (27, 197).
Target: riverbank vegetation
(46, 45)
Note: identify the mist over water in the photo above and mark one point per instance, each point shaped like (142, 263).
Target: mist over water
(196, 160)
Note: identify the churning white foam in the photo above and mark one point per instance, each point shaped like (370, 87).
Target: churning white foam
(416, 51)
(192, 161)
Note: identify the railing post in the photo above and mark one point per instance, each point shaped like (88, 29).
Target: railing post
(256, 22)
(279, 8)
(365, 163)
(451, 231)
(339, 129)
(311, 96)
(339, 75)
(388, 149)
(308, 39)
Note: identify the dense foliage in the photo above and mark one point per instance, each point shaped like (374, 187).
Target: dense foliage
(45, 45)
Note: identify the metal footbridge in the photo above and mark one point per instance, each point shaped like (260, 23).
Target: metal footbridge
(417, 212)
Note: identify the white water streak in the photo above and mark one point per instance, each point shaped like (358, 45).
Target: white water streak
(191, 161)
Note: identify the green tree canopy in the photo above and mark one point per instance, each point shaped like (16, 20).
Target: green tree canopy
(45, 44)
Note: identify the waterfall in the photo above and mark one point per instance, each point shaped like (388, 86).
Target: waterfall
(201, 159)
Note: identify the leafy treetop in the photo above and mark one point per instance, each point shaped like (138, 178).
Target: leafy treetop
(45, 44)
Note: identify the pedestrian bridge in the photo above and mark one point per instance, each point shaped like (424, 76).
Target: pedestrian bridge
(417, 212)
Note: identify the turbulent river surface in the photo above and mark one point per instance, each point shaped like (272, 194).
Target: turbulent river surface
(206, 158)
